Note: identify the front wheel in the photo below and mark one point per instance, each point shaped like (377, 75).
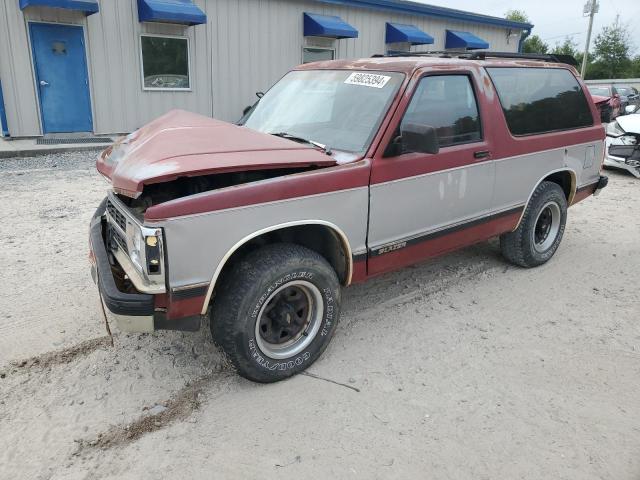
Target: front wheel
(276, 311)
(541, 228)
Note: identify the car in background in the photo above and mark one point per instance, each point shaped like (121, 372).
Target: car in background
(604, 108)
(623, 144)
(632, 95)
(611, 108)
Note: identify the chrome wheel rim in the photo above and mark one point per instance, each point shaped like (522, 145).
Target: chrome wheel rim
(289, 319)
(547, 226)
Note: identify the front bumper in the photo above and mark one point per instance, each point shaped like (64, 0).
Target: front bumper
(627, 158)
(132, 312)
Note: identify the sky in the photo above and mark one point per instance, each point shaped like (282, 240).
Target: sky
(554, 20)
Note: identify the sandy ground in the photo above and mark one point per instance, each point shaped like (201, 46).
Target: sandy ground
(460, 368)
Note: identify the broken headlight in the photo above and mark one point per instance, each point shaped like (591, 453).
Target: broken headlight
(145, 248)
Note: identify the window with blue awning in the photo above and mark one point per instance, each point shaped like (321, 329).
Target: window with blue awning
(87, 6)
(327, 26)
(466, 40)
(183, 12)
(398, 32)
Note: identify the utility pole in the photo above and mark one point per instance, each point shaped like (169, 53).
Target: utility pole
(590, 8)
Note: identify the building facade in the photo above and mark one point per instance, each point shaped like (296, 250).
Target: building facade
(110, 66)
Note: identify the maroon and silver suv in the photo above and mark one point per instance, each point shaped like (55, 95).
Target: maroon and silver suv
(344, 170)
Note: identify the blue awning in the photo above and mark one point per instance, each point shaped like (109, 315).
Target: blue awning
(327, 26)
(86, 6)
(458, 39)
(171, 11)
(398, 32)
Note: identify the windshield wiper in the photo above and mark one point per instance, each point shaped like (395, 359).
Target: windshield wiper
(296, 138)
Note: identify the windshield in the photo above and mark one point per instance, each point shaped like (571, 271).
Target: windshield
(602, 91)
(337, 108)
(624, 91)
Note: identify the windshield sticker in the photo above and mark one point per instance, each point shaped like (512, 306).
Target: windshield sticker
(367, 80)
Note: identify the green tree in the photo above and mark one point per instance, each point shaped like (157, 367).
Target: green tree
(534, 44)
(517, 16)
(635, 67)
(568, 47)
(611, 52)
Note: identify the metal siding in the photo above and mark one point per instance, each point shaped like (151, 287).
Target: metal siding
(276, 42)
(16, 72)
(246, 46)
(121, 104)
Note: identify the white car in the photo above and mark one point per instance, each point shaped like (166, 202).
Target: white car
(622, 145)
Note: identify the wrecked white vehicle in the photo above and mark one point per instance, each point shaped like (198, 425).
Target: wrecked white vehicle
(623, 145)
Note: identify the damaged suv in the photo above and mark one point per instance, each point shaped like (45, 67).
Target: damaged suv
(342, 171)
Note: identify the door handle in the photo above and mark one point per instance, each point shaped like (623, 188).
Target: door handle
(481, 154)
(43, 83)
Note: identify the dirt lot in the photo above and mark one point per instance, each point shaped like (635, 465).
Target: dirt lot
(464, 367)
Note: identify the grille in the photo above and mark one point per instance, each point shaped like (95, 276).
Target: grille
(117, 216)
(69, 141)
(118, 240)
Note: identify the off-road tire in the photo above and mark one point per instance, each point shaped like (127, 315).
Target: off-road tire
(245, 292)
(518, 246)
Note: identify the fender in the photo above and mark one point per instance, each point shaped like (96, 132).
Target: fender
(572, 193)
(341, 235)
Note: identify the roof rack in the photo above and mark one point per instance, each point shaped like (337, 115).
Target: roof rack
(483, 55)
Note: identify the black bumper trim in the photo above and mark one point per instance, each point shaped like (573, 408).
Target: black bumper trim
(603, 181)
(119, 303)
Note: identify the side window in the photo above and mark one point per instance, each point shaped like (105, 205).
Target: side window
(447, 103)
(540, 100)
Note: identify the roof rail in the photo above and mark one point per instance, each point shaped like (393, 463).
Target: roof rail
(482, 55)
(545, 57)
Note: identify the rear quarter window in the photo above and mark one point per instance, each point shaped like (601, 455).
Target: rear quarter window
(540, 100)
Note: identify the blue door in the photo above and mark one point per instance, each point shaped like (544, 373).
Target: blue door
(61, 77)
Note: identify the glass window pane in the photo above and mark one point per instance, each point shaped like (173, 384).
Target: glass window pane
(447, 103)
(316, 54)
(165, 62)
(321, 105)
(539, 100)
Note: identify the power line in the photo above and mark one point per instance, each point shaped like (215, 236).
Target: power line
(564, 35)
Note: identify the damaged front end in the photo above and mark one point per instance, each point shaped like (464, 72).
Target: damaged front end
(623, 144)
(172, 161)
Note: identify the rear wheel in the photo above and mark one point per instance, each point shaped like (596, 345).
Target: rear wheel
(276, 312)
(541, 228)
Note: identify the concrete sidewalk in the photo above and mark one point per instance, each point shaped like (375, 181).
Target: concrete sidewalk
(29, 147)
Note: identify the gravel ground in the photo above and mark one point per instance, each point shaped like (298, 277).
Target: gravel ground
(462, 367)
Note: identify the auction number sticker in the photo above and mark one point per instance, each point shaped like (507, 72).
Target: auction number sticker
(367, 79)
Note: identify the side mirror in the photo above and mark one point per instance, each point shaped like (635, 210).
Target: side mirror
(630, 108)
(419, 138)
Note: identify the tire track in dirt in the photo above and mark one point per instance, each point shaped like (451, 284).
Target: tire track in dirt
(55, 358)
(178, 407)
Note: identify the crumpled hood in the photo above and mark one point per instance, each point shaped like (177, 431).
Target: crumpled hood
(630, 123)
(182, 143)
